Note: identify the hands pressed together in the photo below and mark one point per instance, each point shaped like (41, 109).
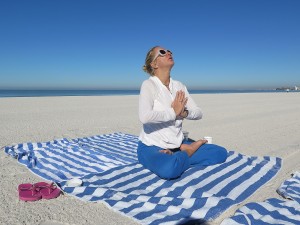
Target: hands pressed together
(179, 104)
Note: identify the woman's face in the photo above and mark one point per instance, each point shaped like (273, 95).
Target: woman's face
(163, 57)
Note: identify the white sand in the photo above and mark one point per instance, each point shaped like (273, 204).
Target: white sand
(253, 124)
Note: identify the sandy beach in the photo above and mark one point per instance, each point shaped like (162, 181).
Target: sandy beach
(255, 124)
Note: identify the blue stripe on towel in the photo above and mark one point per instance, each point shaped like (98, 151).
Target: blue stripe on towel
(108, 167)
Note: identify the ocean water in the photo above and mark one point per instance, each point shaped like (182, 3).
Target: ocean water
(45, 93)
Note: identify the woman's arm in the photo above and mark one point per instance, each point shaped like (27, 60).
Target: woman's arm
(146, 103)
(193, 111)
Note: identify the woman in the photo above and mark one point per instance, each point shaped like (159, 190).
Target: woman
(163, 104)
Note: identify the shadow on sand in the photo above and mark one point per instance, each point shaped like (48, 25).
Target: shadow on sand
(191, 221)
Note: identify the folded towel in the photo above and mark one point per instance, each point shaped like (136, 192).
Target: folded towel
(290, 188)
(272, 211)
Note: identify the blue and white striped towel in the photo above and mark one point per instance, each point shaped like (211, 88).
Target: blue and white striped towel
(108, 166)
(64, 159)
(272, 211)
(290, 188)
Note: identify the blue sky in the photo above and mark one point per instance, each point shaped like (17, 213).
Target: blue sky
(60, 44)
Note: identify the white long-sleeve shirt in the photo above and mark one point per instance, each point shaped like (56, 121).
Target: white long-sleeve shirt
(160, 126)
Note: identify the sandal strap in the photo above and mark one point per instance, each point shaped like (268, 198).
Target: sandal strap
(34, 190)
(50, 187)
(26, 188)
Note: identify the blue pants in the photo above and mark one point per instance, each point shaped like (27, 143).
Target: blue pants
(172, 166)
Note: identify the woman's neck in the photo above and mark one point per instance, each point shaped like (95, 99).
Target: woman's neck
(164, 77)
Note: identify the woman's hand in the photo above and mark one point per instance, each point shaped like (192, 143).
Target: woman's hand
(179, 103)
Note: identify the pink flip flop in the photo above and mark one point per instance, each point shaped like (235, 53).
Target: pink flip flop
(47, 191)
(27, 192)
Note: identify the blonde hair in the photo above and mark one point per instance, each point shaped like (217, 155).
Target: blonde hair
(149, 59)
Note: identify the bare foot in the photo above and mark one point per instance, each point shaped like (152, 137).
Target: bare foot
(193, 147)
(198, 143)
(166, 151)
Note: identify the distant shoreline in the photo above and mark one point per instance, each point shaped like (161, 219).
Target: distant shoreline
(49, 93)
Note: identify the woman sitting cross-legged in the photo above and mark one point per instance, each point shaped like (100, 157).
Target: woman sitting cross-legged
(163, 104)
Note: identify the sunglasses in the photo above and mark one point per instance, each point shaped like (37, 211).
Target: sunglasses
(161, 52)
